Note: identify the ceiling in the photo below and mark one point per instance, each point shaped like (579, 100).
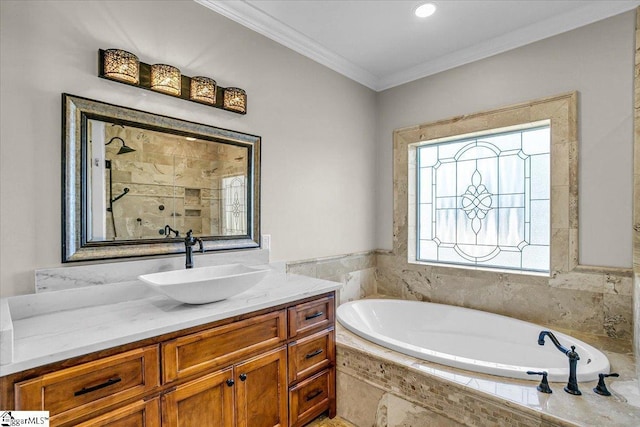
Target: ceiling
(382, 44)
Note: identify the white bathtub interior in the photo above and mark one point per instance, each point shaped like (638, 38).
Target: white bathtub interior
(468, 339)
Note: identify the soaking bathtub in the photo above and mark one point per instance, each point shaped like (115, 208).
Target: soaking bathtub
(468, 339)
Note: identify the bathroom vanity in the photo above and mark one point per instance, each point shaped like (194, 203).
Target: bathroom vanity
(263, 358)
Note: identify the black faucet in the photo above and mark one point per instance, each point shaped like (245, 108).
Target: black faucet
(572, 385)
(189, 243)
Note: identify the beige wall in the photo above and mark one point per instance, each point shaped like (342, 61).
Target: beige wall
(597, 61)
(317, 127)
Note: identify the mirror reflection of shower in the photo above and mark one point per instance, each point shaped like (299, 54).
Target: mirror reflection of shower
(109, 166)
(174, 179)
(124, 149)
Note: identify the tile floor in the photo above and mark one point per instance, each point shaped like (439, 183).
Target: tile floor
(324, 421)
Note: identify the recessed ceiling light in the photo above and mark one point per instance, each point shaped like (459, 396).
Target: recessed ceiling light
(190, 138)
(425, 10)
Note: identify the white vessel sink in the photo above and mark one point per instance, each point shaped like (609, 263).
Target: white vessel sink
(205, 284)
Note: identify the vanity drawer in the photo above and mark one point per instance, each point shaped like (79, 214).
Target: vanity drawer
(73, 392)
(140, 413)
(311, 397)
(310, 316)
(203, 351)
(311, 354)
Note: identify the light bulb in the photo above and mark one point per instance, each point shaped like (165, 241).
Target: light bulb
(425, 10)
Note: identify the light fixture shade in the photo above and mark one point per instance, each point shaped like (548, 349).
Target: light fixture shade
(121, 65)
(166, 79)
(235, 99)
(203, 89)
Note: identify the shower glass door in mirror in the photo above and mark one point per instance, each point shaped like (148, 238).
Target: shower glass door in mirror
(146, 184)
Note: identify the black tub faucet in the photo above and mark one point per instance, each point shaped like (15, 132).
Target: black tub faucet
(572, 385)
(601, 388)
(544, 384)
(189, 243)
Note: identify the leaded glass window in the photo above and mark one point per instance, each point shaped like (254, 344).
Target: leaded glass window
(484, 200)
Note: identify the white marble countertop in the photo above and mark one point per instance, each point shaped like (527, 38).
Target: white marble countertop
(58, 325)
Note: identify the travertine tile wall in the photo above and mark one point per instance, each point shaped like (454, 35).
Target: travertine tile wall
(356, 272)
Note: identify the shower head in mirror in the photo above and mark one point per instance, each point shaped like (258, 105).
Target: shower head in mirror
(124, 149)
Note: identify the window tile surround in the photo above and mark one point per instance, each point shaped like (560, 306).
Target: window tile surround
(561, 112)
(595, 300)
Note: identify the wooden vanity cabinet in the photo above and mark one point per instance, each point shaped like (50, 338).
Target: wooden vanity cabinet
(272, 368)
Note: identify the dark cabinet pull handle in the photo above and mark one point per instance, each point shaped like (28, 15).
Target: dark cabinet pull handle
(313, 394)
(243, 377)
(313, 316)
(315, 353)
(107, 383)
(230, 382)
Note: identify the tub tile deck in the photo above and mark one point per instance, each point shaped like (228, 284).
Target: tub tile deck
(473, 399)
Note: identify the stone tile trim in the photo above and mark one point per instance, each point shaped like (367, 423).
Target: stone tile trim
(340, 263)
(437, 395)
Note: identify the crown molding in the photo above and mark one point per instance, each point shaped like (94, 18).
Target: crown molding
(262, 23)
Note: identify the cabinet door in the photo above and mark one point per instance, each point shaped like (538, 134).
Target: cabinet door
(207, 401)
(261, 390)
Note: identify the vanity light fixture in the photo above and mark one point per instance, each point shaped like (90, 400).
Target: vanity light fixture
(235, 99)
(124, 67)
(203, 89)
(425, 10)
(166, 78)
(121, 65)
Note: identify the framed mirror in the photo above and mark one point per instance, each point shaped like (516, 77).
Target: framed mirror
(134, 183)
